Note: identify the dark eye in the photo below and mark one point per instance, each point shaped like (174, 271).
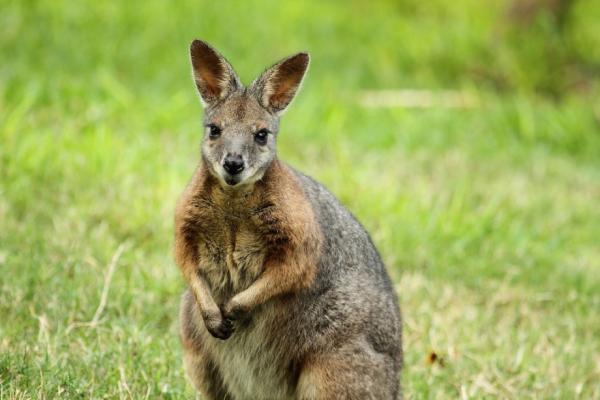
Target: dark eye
(214, 131)
(261, 136)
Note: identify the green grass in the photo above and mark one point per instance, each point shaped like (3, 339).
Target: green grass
(488, 218)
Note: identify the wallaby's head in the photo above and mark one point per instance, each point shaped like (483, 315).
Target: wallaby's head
(241, 123)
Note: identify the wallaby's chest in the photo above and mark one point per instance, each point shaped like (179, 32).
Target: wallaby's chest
(233, 252)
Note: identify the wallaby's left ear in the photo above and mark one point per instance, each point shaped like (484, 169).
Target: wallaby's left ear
(277, 86)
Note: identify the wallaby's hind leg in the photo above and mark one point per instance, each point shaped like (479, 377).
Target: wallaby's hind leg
(355, 372)
(200, 368)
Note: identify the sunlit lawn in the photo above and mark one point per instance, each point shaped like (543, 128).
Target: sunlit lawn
(488, 217)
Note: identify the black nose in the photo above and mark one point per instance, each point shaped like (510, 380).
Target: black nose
(234, 164)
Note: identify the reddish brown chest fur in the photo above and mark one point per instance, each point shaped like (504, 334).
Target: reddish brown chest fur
(232, 236)
(233, 249)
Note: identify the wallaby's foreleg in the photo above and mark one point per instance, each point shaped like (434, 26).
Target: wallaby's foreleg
(218, 326)
(275, 280)
(186, 255)
(294, 242)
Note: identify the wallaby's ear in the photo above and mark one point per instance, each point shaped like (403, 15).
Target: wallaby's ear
(214, 76)
(277, 86)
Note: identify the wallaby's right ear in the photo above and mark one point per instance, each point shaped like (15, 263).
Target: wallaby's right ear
(277, 86)
(214, 76)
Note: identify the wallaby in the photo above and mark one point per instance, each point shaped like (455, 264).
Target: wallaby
(288, 297)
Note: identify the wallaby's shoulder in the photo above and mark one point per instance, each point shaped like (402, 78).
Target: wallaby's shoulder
(284, 188)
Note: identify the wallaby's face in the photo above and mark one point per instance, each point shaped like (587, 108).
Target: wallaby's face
(241, 123)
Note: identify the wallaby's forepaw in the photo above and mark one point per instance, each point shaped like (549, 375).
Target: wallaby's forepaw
(220, 327)
(233, 310)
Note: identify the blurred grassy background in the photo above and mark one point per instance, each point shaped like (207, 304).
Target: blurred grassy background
(487, 217)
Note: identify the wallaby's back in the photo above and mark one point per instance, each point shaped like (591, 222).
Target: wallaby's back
(350, 264)
(353, 299)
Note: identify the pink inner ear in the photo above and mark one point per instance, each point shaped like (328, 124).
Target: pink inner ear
(284, 92)
(209, 74)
